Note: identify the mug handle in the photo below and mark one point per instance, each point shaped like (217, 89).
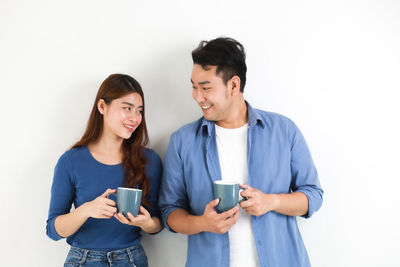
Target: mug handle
(113, 194)
(243, 198)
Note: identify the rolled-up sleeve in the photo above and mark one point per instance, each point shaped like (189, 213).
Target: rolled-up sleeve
(304, 174)
(62, 195)
(173, 190)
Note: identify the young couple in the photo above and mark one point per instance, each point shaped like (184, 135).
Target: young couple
(265, 152)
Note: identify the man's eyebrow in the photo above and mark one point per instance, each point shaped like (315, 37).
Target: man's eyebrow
(201, 83)
(130, 104)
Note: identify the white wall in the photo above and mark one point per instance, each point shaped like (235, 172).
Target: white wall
(331, 66)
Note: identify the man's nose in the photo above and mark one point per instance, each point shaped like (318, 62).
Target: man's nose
(198, 95)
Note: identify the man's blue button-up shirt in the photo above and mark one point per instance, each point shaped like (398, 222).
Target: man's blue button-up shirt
(279, 161)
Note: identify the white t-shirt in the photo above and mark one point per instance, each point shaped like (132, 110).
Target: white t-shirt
(232, 153)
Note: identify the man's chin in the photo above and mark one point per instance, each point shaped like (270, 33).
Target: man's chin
(208, 117)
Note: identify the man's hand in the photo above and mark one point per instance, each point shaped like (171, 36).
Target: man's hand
(181, 221)
(257, 203)
(218, 223)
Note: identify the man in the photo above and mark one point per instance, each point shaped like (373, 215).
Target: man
(264, 151)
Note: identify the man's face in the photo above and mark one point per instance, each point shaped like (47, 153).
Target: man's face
(211, 93)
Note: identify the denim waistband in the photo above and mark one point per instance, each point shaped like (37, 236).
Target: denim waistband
(93, 255)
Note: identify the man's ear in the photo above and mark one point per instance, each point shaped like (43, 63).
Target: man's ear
(234, 83)
(101, 104)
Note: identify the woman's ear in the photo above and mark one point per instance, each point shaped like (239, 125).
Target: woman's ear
(101, 106)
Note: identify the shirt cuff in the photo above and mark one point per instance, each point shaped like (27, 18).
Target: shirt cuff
(51, 230)
(165, 213)
(314, 200)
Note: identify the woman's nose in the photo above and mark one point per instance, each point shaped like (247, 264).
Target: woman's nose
(134, 116)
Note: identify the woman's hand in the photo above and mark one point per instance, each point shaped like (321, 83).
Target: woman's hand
(102, 207)
(143, 220)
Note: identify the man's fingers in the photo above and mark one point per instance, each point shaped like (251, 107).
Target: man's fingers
(215, 202)
(250, 210)
(236, 215)
(212, 204)
(246, 186)
(249, 192)
(245, 203)
(230, 221)
(229, 213)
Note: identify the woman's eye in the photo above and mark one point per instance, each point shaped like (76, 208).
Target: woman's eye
(127, 108)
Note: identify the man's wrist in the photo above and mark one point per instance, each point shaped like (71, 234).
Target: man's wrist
(275, 202)
(201, 225)
(181, 221)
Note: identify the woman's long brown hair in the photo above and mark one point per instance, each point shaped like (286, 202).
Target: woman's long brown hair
(134, 161)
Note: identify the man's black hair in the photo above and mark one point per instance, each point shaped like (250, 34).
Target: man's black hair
(225, 53)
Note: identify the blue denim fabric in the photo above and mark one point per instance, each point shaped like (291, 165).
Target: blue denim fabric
(133, 257)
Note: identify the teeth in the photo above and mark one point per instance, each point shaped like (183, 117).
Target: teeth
(206, 107)
(130, 127)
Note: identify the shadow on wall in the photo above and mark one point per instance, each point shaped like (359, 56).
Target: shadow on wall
(169, 105)
(168, 93)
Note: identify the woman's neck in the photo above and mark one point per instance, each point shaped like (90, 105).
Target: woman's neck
(107, 150)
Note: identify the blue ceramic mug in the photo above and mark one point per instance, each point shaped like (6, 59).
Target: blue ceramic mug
(128, 200)
(228, 194)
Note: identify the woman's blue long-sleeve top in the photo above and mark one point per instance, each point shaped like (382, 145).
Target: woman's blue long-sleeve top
(79, 178)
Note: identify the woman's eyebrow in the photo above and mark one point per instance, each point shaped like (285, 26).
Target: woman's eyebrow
(130, 104)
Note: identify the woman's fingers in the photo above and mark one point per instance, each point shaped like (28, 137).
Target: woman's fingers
(108, 192)
(120, 217)
(144, 211)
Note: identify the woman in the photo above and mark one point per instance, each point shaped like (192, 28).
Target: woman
(110, 154)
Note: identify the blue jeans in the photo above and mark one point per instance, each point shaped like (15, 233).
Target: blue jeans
(133, 256)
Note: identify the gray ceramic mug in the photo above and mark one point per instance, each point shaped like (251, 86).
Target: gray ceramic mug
(228, 194)
(128, 200)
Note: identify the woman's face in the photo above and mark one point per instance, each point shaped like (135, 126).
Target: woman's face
(122, 116)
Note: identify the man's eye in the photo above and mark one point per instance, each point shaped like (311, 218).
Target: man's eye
(206, 88)
(127, 108)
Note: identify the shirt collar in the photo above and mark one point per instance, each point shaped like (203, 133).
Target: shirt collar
(254, 116)
(254, 119)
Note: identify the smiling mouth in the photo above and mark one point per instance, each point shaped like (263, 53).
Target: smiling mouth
(131, 127)
(205, 107)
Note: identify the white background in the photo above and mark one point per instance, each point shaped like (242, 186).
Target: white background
(331, 66)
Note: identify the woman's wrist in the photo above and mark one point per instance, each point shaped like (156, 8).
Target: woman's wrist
(153, 225)
(83, 211)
